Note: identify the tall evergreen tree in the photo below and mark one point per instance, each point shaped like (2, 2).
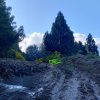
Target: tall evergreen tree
(47, 41)
(76, 47)
(61, 37)
(8, 37)
(84, 50)
(91, 45)
(1, 1)
(21, 33)
(94, 49)
(80, 47)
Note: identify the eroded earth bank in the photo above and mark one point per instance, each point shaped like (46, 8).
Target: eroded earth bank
(25, 80)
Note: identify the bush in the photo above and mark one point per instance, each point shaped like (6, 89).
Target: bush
(90, 55)
(39, 60)
(15, 54)
(11, 54)
(32, 53)
(79, 52)
(46, 59)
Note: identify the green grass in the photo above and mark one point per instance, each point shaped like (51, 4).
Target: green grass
(88, 67)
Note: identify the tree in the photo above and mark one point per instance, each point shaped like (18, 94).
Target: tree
(80, 45)
(61, 37)
(32, 53)
(76, 47)
(82, 48)
(84, 51)
(8, 36)
(1, 1)
(21, 33)
(91, 45)
(47, 41)
(42, 49)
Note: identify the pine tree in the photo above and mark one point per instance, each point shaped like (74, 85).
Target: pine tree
(47, 41)
(80, 45)
(76, 47)
(6, 33)
(21, 33)
(1, 1)
(84, 50)
(8, 36)
(42, 49)
(91, 45)
(80, 48)
(61, 38)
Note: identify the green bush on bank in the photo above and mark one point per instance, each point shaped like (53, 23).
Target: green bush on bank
(15, 54)
(90, 55)
(46, 59)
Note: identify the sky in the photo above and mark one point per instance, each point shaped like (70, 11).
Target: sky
(37, 17)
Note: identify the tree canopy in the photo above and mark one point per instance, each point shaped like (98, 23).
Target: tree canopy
(91, 45)
(61, 38)
(8, 36)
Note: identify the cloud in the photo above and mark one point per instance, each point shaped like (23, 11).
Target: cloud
(36, 38)
(80, 37)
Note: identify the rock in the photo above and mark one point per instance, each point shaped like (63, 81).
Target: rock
(42, 81)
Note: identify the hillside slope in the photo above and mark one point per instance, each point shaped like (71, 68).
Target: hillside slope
(43, 81)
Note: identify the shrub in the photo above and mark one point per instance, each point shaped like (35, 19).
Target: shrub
(50, 57)
(90, 55)
(15, 54)
(63, 55)
(79, 52)
(11, 54)
(39, 60)
(32, 53)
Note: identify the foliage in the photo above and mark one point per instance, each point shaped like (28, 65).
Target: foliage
(11, 54)
(79, 52)
(42, 49)
(70, 67)
(56, 55)
(18, 55)
(54, 61)
(84, 51)
(32, 53)
(79, 48)
(1, 1)
(21, 33)
(17, 48)
(88, 67)
(39, 60)
(61, 38)
(8, 36)
(91, 45)
(90, 55)
(50, 57)
(47, 41)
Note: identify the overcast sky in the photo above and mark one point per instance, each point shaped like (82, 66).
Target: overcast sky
(37, 16)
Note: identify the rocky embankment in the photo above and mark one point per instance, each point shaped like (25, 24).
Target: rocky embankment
(23, 80)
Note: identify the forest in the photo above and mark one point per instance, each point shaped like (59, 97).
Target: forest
(60, 39)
